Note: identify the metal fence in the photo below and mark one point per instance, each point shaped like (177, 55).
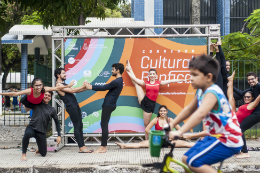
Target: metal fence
(11, 109)
(208, 12)
(176, 12)
(239, 11)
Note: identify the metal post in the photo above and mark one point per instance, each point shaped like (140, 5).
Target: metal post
(1, 74)
(24, 69)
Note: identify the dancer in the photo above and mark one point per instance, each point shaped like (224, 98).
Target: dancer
(35, 93)
(42, 114)
(72, 107)
(254, 118)
(158, 122)
(115, 87)
(210, 105)
(147, 100)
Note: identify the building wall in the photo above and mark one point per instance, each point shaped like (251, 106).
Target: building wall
(158, 15)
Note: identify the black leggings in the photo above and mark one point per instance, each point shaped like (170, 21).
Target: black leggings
(76, 118)
(246, 124)
(40, 140)
(105, 117)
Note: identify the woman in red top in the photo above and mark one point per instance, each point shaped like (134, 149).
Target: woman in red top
(158, 122)
(249, 106)
(35, 93)
(147, 100)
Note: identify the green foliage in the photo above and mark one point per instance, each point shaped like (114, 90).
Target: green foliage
(33, 19)
(125, 9)
(113, 13)
(244, 46)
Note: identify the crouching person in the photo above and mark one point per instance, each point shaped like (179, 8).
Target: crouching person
(42, 114)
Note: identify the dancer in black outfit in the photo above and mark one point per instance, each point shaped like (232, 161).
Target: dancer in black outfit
(254, 118)
(72, 107)
(109, 105)
(42, 114)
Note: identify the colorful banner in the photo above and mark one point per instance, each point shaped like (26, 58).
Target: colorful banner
(91, 60)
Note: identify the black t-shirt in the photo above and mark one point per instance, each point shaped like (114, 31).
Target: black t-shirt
(115, 87)
(69, 99)
(42, 114)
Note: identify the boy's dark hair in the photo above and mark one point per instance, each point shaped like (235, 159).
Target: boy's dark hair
(152, 69)
(58, 72)
(51, 92)
(120, 67)
(35, 80)
(205, 64)
(251, 74)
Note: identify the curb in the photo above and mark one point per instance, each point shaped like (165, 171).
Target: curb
(232, 168)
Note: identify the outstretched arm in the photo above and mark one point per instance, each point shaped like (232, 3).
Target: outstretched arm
(254, 104)
(166, 82)
(59, 87)
(26, 91)
(109, 86)
(73, 90)
(241, 93)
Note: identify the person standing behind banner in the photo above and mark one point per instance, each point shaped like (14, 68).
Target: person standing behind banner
(115, 87)
(72, 107)
(15, 101)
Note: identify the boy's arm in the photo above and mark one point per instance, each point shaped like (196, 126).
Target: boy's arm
(208, 104)
(185, 113)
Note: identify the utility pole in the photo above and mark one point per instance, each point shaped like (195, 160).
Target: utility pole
(1, 68)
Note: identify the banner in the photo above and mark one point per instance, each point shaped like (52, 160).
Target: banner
(91, 59)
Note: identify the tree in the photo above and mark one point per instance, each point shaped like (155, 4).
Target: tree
(113, 13)
(125, 10)
(11, 56)
(244, 46)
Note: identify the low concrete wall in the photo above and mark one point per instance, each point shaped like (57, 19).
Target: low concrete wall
(11, 133)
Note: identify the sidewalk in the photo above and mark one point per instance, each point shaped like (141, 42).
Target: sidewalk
(115, 160)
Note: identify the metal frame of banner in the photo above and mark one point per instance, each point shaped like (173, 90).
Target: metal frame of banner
(59, 33)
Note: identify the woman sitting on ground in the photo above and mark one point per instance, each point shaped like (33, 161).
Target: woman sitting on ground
(244, 110)
(158, 122)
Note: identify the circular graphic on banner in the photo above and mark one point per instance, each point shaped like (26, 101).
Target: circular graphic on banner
(95, 114)
(71, 60)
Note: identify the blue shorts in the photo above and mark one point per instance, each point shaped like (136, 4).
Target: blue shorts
(209, 151)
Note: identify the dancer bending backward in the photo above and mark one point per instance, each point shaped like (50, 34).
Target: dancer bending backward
(72, 107)
(210, 105)
(35, 93)
(42, 114)
(147, 100)
(115, 87)
(244, 111)
(158, 122)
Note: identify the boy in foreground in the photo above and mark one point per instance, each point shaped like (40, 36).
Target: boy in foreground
(223, 138)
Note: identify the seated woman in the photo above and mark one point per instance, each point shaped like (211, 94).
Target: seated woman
(244, 110)
(34, 94)
(159, 122)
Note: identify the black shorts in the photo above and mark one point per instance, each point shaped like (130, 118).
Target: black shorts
(26, 103)
(147, 104)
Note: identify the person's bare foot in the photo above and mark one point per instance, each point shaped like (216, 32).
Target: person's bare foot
(242, 155)
(211, 48)
(216, 47)
(85, 149)
(37, 152)
(101, 149)
(122, 146)
(128, 66)
(231, 78)
(219, 42)
(23, 158)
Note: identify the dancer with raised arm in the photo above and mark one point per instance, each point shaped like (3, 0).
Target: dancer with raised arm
(72, 107)
(147, 100)
(115, 87)
(37, 128)
(243, 111)
(159, 123)
(35, 93)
